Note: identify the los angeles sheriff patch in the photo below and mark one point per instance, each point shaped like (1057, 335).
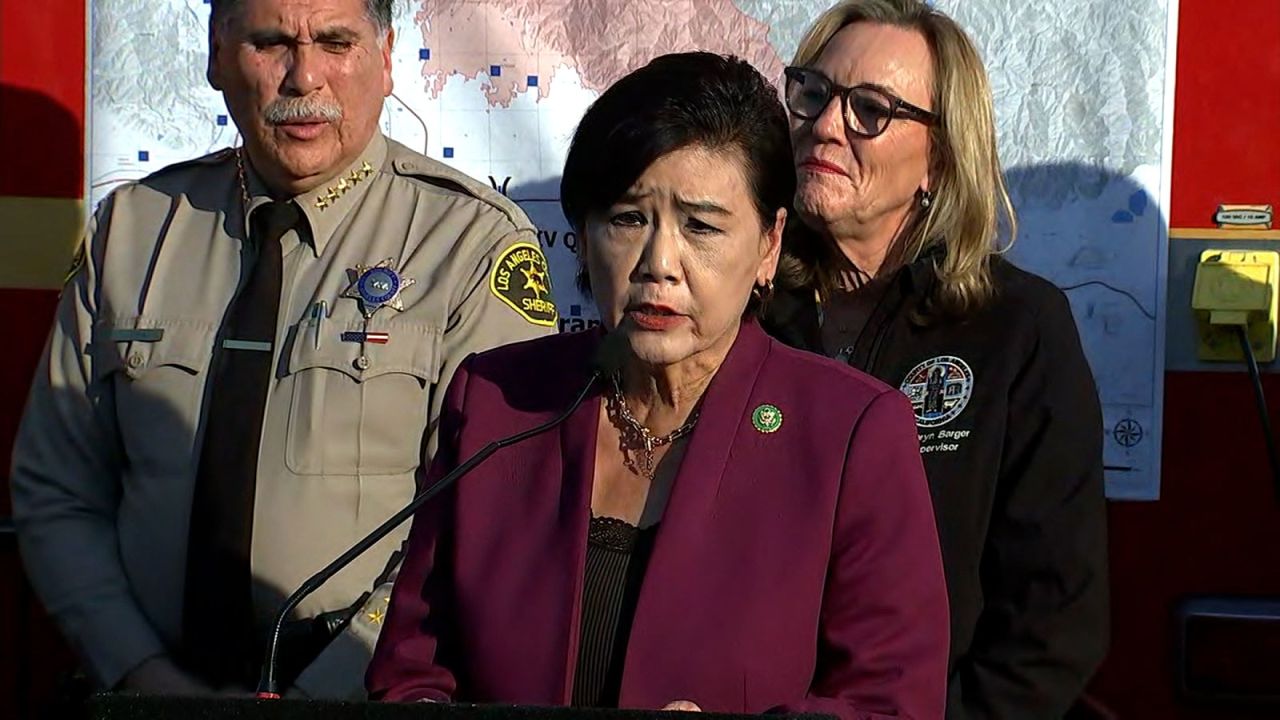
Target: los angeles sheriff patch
(521, 279)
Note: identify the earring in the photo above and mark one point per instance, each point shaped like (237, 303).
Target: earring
(926, 199)
(763, 292)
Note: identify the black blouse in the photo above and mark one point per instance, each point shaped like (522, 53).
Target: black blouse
(844, 317)
(617, 554)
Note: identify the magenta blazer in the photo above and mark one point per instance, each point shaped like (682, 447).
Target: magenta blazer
(793, 571)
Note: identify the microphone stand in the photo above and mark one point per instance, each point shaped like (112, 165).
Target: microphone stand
(268, 686)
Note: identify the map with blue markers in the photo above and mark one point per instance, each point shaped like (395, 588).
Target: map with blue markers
(495, 88)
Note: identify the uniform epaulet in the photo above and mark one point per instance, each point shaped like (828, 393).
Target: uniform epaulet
(214, 158)
(408, 163)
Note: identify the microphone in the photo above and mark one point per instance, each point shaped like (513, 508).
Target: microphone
(607, 359)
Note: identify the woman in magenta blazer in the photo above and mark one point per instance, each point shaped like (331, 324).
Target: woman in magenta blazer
(709, 529)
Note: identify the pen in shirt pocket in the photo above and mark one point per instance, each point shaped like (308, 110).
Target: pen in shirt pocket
(319, 310)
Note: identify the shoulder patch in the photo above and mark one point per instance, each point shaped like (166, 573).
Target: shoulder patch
(521, 279)
(227, 154)
(407, 163)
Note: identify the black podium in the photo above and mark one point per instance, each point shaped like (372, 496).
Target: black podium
(136, 707)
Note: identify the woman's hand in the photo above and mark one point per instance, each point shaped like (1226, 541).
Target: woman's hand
(682, 706)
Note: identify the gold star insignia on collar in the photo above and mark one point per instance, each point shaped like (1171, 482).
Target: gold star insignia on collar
(333, 192)
(376, 616)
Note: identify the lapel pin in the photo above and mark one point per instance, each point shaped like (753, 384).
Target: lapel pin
(767, 418)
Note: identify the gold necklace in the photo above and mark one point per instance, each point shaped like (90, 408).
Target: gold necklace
(244, 189)
(646, 440)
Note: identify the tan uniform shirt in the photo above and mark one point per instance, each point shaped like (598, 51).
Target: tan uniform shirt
(105, 460)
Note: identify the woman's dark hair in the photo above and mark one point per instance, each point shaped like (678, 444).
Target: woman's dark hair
(677, 101)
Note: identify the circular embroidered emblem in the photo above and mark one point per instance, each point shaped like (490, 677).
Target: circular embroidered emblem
(767, 418)
(938, 388)
(378, 285)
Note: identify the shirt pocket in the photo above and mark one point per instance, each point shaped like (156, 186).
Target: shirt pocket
(155, 368)
(360, 408)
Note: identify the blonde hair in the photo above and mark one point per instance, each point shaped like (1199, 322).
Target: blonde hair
(970, 197)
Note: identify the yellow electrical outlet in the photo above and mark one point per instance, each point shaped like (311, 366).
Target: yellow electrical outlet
(1234, 288)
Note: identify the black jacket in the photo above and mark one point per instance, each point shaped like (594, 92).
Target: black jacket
(1011, 432)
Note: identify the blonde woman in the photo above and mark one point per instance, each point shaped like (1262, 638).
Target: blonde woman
(897, 271)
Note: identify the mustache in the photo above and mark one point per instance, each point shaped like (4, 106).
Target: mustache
(287, 110)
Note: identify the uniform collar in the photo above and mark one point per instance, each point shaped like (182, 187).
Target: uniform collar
(326, 206)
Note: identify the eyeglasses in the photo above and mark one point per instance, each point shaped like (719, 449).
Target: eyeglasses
(868, 110)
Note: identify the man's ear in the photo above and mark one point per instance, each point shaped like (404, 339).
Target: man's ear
(388, 42)
(213, 71)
